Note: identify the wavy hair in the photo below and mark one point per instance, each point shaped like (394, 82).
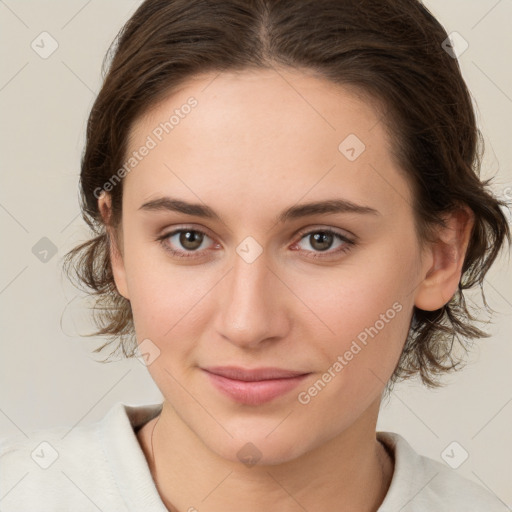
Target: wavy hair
(392, 51)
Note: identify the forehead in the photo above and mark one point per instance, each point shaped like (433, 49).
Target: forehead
(266, 133)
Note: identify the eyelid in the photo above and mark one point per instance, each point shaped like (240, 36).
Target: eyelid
(186, 227)
(302, 233)
(347, 235)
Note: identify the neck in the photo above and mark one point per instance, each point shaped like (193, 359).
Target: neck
(352, 471)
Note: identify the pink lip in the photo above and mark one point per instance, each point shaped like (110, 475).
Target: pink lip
(256, 386)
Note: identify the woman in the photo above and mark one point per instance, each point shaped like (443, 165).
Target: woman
(287, 209)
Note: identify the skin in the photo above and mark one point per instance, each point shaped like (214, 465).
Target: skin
(257, 143)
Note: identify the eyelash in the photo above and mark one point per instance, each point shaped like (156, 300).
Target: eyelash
(349, 244)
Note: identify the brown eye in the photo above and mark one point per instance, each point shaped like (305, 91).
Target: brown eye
(324, 243)
(321, 241)
(185, 243)
(191, 240)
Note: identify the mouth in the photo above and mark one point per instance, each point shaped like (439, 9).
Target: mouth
(253, 386)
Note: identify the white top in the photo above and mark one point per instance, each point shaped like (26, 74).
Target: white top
(102, 467)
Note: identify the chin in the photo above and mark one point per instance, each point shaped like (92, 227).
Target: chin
(254, 446)
(258, 454)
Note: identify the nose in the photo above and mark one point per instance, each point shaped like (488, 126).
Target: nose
(252, 304)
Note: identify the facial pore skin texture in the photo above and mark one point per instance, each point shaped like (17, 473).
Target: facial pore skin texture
(256, 143)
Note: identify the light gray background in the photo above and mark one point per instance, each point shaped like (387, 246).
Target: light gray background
(48, 373)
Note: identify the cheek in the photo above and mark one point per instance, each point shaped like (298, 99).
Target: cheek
(363, 301)
(364, 311)
(163, 305)
(369, 317)
(167, 300)
(354, 296)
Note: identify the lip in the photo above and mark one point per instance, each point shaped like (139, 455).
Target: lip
(254, 374)
(253, 386)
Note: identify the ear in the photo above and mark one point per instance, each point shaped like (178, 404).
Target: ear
(443, 266)
(115, 245)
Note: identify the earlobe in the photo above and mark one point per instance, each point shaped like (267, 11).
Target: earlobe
(116, 257)
(447, 255)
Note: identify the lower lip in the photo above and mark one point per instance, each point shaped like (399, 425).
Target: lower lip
(255, 392)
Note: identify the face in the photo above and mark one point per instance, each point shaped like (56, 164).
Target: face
(326, 291)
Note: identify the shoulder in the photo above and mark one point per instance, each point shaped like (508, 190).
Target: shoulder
(49, 468)
(422, 484)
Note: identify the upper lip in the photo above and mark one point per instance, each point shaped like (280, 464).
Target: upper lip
(254, 374)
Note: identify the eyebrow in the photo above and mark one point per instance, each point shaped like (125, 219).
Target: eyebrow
(325, 207)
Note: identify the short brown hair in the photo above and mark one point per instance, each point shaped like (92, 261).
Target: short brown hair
(390, 50)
